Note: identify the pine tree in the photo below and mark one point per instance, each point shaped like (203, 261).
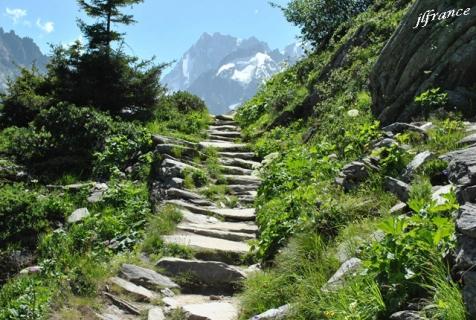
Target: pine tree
(100, 35)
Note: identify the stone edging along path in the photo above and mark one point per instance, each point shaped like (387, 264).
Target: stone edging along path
(216, 235)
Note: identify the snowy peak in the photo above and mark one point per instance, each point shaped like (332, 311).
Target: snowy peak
(225, 71)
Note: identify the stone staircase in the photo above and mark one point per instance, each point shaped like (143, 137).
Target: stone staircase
(216, 235)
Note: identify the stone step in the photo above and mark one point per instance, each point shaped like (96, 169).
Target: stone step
(218, 138)
(237, 155)
(225, 127)
(211, 311)
(213, 276)
(209, 222)
(209, 248)
(241, 189)
(236, 170)
(138, 293)
(236, 162)
(225, 117)
(226, 214)
(242, 180)
(224, 146)
(228, 134)
(145, 277)
(204, 230)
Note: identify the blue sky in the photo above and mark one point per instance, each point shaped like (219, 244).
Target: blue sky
(165, 28)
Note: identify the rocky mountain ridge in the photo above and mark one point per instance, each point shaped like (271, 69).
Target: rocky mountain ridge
(226, 71)
(16, 51)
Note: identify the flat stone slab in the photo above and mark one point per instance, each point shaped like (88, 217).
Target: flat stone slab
(419, 160)
(224, 127)
(155, 313)
(228, 134)
(224, 146)
(249, 180)
(242, 163)
(225, 117)
(242, 189)
(210, 273)
(146, 277)
(211, 311)
(196, 218)
(205, 230)
(138, 292)
(238, 155)
(232, 170)
(247, 214)
(201, 243)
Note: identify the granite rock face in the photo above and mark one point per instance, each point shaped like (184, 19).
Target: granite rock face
(440, 55)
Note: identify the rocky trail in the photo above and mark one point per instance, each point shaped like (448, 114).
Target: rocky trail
(216, 234)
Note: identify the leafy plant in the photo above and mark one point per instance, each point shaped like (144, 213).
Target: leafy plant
(431, 99)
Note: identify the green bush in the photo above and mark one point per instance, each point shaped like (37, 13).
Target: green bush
(25, 214)
(25, 298)
(319, 19)
(24, 99)
(431, 99)
(412, 246)
(127, 148)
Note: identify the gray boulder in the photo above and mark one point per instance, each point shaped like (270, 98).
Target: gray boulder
(406, 315)
(97, 192)
(462, 166)
(158, 139)
(469, 293)
(146, 277)
(352, 175)
(465, 252)
(401, 127)
(78, 215)
(347, 269)
(274, 314)
(398, 188)
(466, 222)
(419, 160)
(440, 55)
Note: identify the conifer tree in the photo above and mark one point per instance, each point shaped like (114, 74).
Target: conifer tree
(108, 12)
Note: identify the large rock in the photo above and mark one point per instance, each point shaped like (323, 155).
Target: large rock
(78, 215)
(146, 277)
(398, 188)
(211, 275)
(155, 313)
(469, 293)
(462, 167)
(466, 222)
(352, 175)
(406, 315)
(465, 252)
(419, 160)
(417, 59)
(274, 314)
(347, 269)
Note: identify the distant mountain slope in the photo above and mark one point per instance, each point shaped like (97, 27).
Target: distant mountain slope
(226, 71)
(16, 51)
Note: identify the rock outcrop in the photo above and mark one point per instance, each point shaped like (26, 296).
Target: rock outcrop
(440, 55)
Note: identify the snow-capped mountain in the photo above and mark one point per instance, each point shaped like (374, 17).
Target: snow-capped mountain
(226, 71)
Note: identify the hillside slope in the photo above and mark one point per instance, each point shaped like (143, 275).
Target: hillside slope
(345, 199)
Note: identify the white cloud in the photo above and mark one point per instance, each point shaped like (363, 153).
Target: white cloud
(15, 14)
(47, 26)
(256, 11)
